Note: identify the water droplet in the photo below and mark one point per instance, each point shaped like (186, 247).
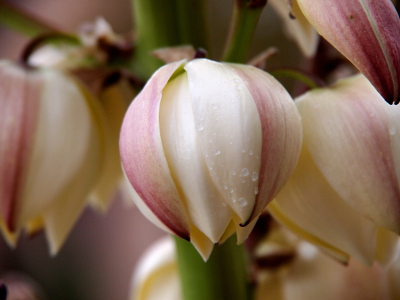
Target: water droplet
(210, 168)
(233, 173)
(206, 155)
(242, 202)
(214, 133)
(243, 150)
(233, 200)
(254, 176)
(230, 143)
(239, 87)
(242, 181)
(225, 187)
(210, 141)
(256, 190)
(250, 152)
(199, 127)
(212, 163)
(224, 204)
(214, 106)
(245, 172)
(217, 151)
(231, 191)
(392, 131)
(236, 80)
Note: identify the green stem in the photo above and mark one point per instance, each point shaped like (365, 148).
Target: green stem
(244, 21)
(223, 277)
(191, 20)
(165, 23)
(19, 20)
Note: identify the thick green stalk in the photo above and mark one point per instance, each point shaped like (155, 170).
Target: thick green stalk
(244, 21)
(191, 21)
(223, 277)
(19, 20)
(165, 23)
(155, 27)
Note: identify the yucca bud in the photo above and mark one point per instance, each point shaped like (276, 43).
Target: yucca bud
(206, 146)
(344, 194)
(51, 149)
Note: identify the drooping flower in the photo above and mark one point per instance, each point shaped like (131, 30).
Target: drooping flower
(52, 144)
(345, 194)
(367, 32)
(206, 146)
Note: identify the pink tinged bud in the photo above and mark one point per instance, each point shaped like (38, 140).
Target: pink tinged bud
(367, 32)
(50, 154)
(206, 146)
(346, 184)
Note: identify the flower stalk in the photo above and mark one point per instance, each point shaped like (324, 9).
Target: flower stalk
(244, 21)
(224, 276)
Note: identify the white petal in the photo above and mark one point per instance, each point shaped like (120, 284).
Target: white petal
(203, 202)
(231, 136)
(308, 201)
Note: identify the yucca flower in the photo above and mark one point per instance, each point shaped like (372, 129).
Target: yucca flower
(345, 192)
(206, 146)
(51, 151)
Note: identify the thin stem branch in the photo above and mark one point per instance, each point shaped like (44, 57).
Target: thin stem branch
(244, 21)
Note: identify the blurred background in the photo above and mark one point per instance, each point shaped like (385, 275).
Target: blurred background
(98, 259)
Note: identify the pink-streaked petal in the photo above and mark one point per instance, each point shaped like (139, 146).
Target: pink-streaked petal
(367, 33)
(346, 130)
(281, 133)
(228, 131)
(18, 109)
(143, 157)
(203, 202)
(310, 203)
(298, 28)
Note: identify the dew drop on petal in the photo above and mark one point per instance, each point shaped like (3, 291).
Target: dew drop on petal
(250, 152)
(242, 202)
(233, 200)
(254, 176)
(214, 106)
(225, 187)
(233, 173)
(243, 150)
(210, 141)
(199, 127)
(231, 191)
(217, 151)
(245, 172)
(224, 204)
(392, 131)
(256, 190)
(239, 87)
(210, 168)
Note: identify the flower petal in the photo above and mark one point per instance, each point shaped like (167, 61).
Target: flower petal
(233, 157)
(203, 202)
(298, 28)
(143, 157)
(367, 33)
(281, 133)
(346, 130)
(311, 204)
